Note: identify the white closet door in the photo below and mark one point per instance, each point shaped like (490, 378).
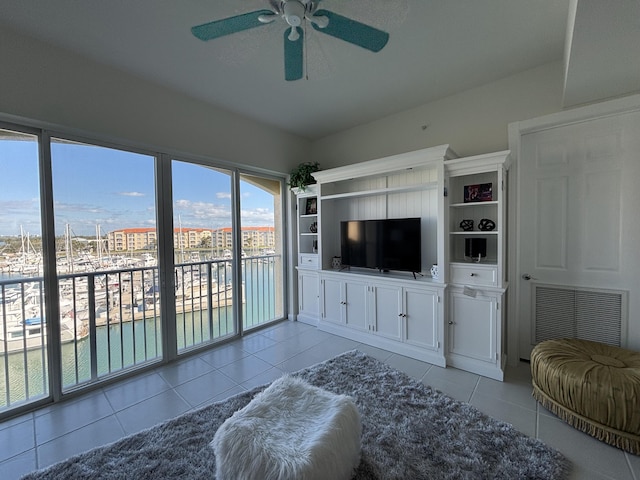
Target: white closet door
(578, 214)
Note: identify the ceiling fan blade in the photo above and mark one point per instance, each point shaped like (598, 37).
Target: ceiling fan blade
(292, 57)
(353, 32)
(227, 26)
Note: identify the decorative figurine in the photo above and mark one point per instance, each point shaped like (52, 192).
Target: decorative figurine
(466, 225)
(486, 225)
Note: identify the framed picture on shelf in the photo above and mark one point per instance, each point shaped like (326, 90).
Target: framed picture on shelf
(481, 192)
(311, 207)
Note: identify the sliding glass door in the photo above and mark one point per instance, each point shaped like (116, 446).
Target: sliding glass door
(106, 259)
(262, 247)
(203, 253)
(23, 336)
(114, 259)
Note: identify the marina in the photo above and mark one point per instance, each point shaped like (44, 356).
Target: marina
(114, 296)
(110, 320)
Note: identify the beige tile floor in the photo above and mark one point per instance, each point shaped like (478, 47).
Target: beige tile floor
(40, 438)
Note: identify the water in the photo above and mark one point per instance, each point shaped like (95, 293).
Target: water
(76, 356)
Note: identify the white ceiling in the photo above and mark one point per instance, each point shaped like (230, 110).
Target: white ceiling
(436, 48)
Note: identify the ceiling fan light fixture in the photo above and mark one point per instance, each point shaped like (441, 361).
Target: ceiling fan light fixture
(294, 12)
(294, 35)
(322, 21)
(267, 18)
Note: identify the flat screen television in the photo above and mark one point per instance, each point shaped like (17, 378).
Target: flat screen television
(391, 244)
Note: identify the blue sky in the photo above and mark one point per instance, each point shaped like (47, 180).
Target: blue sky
(115, 189)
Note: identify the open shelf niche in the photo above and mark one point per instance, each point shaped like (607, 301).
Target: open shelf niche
(401, 186)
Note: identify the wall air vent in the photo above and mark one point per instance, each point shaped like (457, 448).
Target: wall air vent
(584, 313)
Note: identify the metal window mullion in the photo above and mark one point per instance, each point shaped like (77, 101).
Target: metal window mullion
(52, 305)
(166, 263)
(236, 265)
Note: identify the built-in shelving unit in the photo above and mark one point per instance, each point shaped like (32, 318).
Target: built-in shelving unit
(476, 194)
(400, 186)
(308, 227)
(308, 243)
(393, 310)
(455, 318)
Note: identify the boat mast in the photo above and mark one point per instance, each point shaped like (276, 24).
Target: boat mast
(68, 247)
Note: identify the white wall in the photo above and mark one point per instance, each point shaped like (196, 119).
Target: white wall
(48, 84)
(472, 122)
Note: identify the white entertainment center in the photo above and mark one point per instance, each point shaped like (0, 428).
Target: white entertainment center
(455, 317)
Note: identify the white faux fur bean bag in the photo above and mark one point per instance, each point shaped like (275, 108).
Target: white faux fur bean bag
(290, 431)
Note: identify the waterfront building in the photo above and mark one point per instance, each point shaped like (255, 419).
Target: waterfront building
(128, 239)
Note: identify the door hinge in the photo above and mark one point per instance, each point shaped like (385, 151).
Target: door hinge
(446, 192)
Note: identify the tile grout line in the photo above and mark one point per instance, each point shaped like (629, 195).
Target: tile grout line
(627, 459)
(35, 443)
(475, 389)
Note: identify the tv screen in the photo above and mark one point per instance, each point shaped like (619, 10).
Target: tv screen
(392, 244)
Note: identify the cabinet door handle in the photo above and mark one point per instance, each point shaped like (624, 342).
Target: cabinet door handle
(450, 322)
(472, 275)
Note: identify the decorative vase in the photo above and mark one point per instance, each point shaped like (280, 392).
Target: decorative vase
(434, 271)
(313, 228)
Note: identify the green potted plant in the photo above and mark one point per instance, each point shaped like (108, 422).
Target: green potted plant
(300, 177)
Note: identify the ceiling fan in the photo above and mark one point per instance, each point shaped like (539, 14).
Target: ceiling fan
(294, 12)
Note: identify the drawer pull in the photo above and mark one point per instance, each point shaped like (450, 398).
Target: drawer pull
(472, 274)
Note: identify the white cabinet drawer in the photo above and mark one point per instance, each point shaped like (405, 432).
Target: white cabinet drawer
(309, 260)
(474, 275)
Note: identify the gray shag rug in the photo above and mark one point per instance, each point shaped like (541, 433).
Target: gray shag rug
(410, 431)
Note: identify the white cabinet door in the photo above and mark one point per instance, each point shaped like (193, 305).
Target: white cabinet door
(421, 319)
(332, 300)
(355, 314)
(308, 296)
(472, 326)
(386, 311)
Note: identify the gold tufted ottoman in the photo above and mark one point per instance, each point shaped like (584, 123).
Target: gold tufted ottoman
(592, 386)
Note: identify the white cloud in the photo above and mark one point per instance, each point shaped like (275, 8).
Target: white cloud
(131, 194)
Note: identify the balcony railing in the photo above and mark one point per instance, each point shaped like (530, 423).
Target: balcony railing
(110, 320)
